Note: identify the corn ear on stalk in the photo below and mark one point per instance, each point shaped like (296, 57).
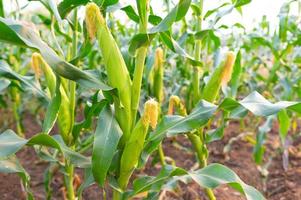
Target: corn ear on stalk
(221, 76)
(158, 72)
(175, 102)
(64, 115)
(134, 145)
(38, 64)
(118, 75)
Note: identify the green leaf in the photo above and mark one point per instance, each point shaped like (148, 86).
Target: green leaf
(211, 177)
(66, 6)
(106, 139)
(149, 183)
(235, 79)
(216, 174)
(52, 110)
(240, 3)
(52, 7)
(10, 143)
(210, 12)
(12, 165)
(176, 14)
(173, 125)
(7, 72)
(264, 42)
(130, 12)
(259, 148)
(140, 40)
(25, 35)
(215, 134)
(175, 47)
(259, 106)
(4, 83)
(88, 180)
(284, 124)
(2, 13)
(208, 38)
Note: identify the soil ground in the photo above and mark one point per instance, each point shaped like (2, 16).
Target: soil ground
(277, 184)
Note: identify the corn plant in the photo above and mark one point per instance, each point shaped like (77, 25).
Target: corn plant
(131, 100)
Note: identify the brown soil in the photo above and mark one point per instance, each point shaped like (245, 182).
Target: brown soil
(277, 185)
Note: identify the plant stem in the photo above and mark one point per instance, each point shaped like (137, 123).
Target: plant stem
(198, 142)
(197, 145)
(139, 68)
(196, 75)
(72, 84)
(69, 169)
(137, 80)
(161, 154)
(116, 195)
(197, 53)
(17, 119)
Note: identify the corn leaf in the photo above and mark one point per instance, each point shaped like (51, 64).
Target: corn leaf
(2, 13)
(259, 106)
(162, 26)
(172, 125)
(4, 83)
(259, 148)
(284, 124)
(12, 165)
(216, 174)
(52, 110)
(24, 35)
(176, 14)
(106, 139)
(211, 177)
(66, 6)
(29, 82)
(10, 143)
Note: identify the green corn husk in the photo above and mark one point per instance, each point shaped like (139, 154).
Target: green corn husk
(220, 76)
(38, 64)
(134, 145)
(158, 72)
(64, 115)
(175, 102)
(65, 118)
(118, 75)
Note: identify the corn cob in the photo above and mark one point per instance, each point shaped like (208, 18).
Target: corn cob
(158, 71)
(220, 77)
(134, 146)
(39, 64)
(64, 115)
(118, 75)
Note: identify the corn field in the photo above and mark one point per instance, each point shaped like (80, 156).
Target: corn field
(109, 99)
